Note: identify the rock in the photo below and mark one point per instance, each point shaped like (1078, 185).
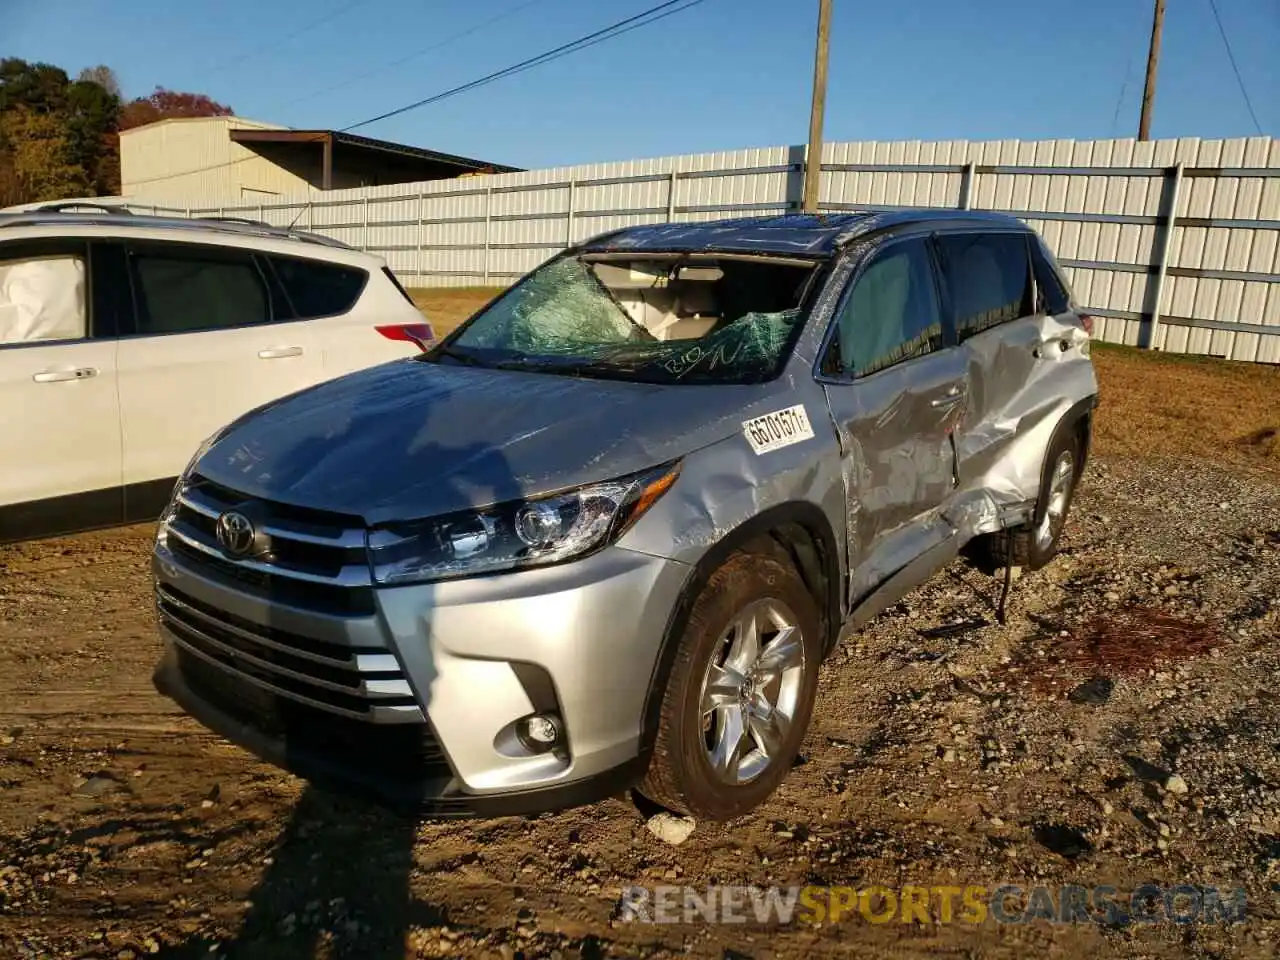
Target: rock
(670, 828)
(1096, 691)
(100, 785)
(1175, 784)
(1113, 596)
(948, 756)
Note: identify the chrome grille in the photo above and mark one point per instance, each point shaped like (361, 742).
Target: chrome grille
(363, 683)
(316, 561)
(310, 562)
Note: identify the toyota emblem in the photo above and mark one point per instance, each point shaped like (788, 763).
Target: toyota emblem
(235, 533)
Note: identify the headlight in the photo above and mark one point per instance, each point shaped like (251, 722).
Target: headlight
(522, 533)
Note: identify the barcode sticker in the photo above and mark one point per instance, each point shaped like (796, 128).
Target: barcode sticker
(782, 428)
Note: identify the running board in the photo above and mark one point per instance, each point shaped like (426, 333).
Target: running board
(893, 589)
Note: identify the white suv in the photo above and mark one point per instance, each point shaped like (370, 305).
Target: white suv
(125, 340)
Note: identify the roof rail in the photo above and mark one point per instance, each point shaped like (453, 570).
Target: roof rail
(61, 205)
(231, 225)
(244, 220)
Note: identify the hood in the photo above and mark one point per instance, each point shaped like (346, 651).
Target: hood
(412, 439)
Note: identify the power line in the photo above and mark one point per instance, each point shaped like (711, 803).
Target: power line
(644, 18)
(1236, 69)
(1124, 88)
(277, 43)
(506, 14)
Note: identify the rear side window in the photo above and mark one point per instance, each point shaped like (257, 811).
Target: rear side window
(891, 314)
(182, 291)
(989, 277)
(319, 289)
(1051, 293)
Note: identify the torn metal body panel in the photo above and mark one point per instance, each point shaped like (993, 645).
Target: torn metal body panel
(530, 507)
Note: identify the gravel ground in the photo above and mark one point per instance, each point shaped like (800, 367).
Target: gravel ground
(1123, 728)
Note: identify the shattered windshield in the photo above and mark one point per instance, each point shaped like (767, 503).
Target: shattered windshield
(660, 318)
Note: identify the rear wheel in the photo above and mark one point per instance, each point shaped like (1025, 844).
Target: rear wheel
(741, 691)
(1034, 545)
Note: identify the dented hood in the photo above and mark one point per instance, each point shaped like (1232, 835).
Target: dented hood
(411, 439)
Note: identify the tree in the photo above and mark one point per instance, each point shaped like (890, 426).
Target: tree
(103, 76)
(60, 138)
(40, 86)
(91, 117)
(40, 159)
(164, 104)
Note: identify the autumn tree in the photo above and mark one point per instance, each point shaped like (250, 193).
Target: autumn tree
(59, 137)
(165, 104)
(41, 158)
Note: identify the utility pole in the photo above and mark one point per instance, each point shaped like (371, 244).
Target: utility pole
(813, 156)
(1153, 59)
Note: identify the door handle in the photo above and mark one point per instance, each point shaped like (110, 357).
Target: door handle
(950, 399)
(58, 376)
(276, 353)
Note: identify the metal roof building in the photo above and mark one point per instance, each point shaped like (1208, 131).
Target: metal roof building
(201, 161)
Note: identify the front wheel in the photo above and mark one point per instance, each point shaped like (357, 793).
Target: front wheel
(741, 691)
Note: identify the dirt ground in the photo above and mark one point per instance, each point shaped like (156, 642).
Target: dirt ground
(1039, 752)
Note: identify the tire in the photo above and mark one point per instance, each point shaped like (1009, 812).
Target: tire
(747, 588)
(1033, 546)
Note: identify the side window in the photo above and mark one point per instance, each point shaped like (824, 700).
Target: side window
(892, 313)
(318, 289)
(42, 293)
(184, 291)
(989, 278)
(1051, 293)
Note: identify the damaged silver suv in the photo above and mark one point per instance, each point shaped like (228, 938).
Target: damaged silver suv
(604, 534)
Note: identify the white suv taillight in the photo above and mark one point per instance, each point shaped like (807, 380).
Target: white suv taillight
(420, 333)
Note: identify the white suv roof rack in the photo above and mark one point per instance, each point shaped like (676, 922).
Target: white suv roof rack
(74, 212)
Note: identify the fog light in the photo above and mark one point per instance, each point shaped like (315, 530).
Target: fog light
(540, 732)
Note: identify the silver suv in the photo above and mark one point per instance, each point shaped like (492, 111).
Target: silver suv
(604, 533)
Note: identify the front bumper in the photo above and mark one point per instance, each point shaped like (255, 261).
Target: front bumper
(471, 657)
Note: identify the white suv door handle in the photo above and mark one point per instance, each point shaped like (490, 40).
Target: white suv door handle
(57, 376)
(278, 352)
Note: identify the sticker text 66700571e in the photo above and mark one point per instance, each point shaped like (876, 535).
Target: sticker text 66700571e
(782, 428)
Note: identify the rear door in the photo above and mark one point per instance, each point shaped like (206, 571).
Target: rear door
(60, 459)
(213, 336)
(360, 314)
(895, 385)
(988, 280)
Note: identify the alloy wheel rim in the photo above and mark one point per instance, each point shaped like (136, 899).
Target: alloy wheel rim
(1059, 493)
(751, 691)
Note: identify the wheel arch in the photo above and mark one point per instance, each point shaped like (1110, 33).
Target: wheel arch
(798, 531)
(1077, 420)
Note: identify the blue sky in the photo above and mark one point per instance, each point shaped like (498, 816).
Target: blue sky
(726, 74)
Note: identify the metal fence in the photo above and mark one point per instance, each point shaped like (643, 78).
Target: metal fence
(1174, 245)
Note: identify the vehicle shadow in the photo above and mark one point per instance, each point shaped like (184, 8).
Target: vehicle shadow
(338, 883)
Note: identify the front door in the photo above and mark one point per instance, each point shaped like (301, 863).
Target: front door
(896, 388)
(212, 340)
(60, 434)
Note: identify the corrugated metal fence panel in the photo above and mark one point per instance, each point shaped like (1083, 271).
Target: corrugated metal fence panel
(1102, 206)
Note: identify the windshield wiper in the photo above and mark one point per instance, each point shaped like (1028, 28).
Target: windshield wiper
(452, 354)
